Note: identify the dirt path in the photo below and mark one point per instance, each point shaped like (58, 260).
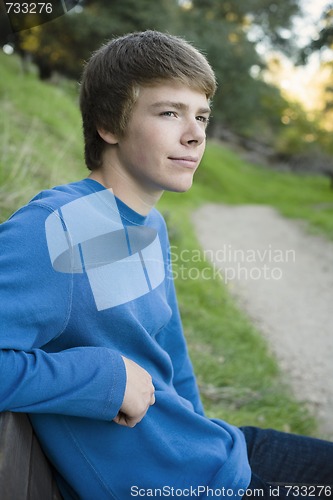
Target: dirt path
(283, 278)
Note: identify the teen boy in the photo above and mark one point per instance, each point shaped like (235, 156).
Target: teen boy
(91, 338)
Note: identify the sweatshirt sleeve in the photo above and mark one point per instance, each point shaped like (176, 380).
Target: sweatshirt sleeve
(173, 341)
(35, 307)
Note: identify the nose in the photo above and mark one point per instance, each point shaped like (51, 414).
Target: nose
(194, 133)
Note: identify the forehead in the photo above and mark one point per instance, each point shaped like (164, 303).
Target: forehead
(166, 94)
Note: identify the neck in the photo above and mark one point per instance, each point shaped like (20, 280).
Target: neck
(127, 189)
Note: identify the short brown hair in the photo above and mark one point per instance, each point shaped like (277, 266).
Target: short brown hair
(115, 72)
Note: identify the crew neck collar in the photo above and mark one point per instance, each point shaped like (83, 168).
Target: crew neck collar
(125, 211)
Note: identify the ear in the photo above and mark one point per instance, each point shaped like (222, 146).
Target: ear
(108, 137)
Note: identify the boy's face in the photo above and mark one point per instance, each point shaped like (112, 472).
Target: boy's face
(164, 140)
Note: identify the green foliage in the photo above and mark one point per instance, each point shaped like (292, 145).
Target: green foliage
(40, 135)
(66, 42)
(223, 176)
(303, 135)
(325, 32)
(244, 103)
(130, 15)
(267, 16)
(231, 56)
(323, 40)
(220, 29)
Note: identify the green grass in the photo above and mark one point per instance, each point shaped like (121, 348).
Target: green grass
(224, 177)
(40, 136)
(240, 382)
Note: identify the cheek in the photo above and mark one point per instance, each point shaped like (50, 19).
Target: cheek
(136, 149)
(201, 148)
(151, 146)
(147, 144)
(141, 155)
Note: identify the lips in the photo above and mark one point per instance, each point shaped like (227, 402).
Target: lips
(194, 159)
(185, 161)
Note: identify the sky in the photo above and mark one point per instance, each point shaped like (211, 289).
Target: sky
(306, 26)
(303, 83)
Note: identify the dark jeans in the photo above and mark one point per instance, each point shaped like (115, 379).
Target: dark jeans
(287, 466)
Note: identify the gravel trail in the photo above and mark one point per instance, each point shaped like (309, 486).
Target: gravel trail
(282, 277)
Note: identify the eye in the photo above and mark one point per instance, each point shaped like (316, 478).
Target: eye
(169, 113)
(203, 119)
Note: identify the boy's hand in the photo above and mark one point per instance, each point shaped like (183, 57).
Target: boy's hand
(139, 395)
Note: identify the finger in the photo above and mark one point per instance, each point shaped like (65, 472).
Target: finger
(126, 421)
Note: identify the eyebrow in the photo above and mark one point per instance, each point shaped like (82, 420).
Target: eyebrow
(178, 105)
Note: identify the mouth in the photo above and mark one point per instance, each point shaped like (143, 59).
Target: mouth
(185, 161)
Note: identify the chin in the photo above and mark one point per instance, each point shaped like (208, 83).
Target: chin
(181, 185)
(180, 188)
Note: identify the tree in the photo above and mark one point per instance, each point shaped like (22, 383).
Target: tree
(268, 19)
(63, 44)
(322, 43)
(227, 31)
(324, 39)
(222, 30)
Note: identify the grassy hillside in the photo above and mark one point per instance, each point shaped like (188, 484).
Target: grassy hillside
(305, 197)
(40, 136)
(41, 146)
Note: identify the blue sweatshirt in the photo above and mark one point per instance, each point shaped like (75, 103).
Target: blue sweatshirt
(85, 280)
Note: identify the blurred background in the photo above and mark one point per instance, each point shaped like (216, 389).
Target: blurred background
(273, 61)
(270, 143)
